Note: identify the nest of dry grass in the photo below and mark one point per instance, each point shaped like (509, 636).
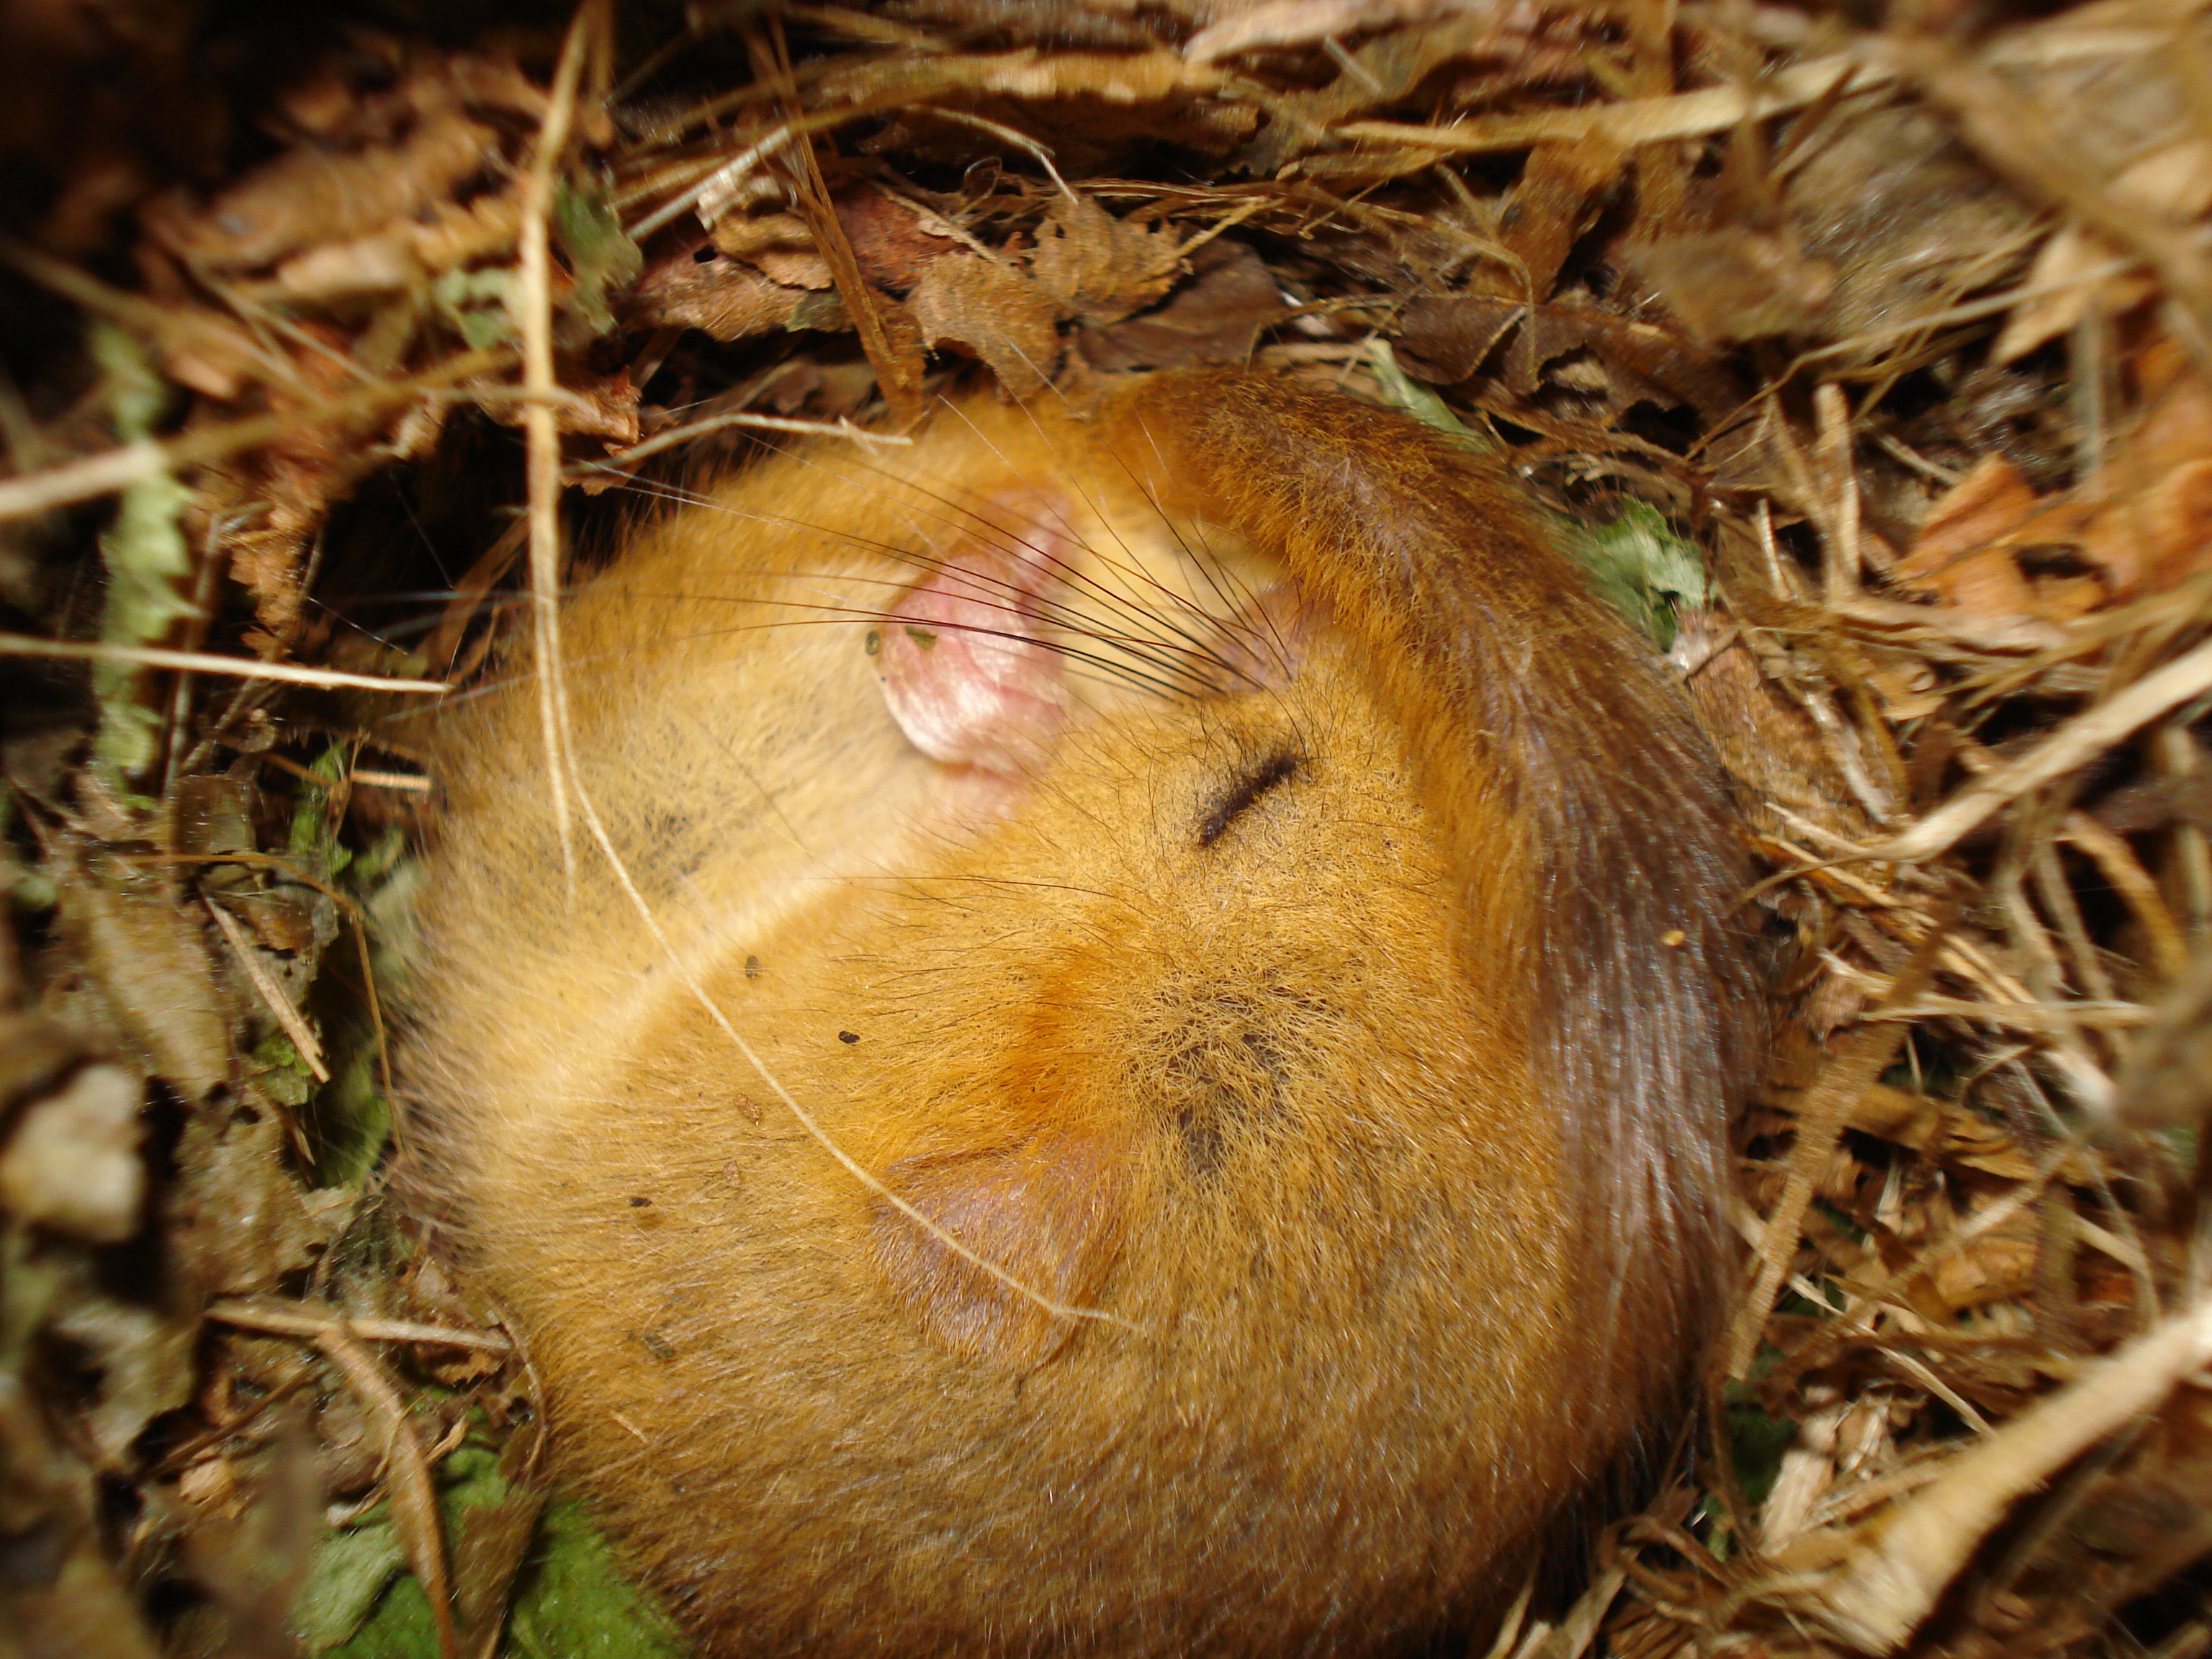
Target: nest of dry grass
(1890, 347)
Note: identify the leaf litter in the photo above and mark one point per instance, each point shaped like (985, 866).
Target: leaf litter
(1865, 362)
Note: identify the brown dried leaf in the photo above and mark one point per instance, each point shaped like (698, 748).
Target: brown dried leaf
(70, 1162)
(1737, 284)
(1099, 268)
(146, 958)
(310, 196)
(370, 264)
(1560, 190)
(453, 234)
(998, 314)
(237, 1221)
(743, 235)
(1897, 1115)
(144, 1363)
(447, 235)
(2174, 182)
(793, 267)
(1216, 320)
(2145, 519)
(722, 297)
(604, 408)
(273, 500)
(1277, 23)
(2150, 523)
(1391, 66)
(1123, 78)
(1962, 552)
(1444, 339)
(1995, 1266)
(889, 241)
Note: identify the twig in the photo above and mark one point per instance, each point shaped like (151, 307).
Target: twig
(134, 463)
(1643, 121)
(2117, 861)
(200, 662)
(743, 417)
(305, 1319)
(542, 432)
(272, 995)
(2075, 744)
(1822, 1114)
(1909, 1560)
(407, 1471)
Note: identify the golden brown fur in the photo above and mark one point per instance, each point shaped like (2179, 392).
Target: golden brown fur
(1344, 1009)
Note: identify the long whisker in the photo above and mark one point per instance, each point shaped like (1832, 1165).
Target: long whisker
(1132, 572)
(1167, 652)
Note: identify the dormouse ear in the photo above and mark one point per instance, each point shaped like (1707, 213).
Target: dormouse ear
(966, 671)
(1048, 1213)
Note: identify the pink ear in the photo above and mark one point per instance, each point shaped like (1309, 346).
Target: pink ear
(1047, 1213)
(965, 669)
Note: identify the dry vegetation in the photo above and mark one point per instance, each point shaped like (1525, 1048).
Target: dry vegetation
(319, 330)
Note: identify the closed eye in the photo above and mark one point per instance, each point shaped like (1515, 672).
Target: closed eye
(1256, 780)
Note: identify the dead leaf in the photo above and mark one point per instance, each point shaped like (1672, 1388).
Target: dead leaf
(1276, 23)
(72, 1161)
(998, 314)
(722, 297)
(311, 196)
(890, 243)
(793, 267)
(144, 1363)
(146, 958)
(1500, 52)
(742, 235)
(1962, 552)
(2150, 526)
(1099, 268)
(1737, 284)
(237, 1221)
(1995, 1266)
(2172, 182)
(1444, 339)
(1215, 319)
(1561, 187)
(606, 407)
(1026, 74)
(443, 238)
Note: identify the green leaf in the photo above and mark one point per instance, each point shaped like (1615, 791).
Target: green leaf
(313, 835)
(351, 1568)
(352, 1120)
(476, 303)
(146, 556)
(579, 1603)
(1423, 404)
(602, 257)
(1757, 1440)
(280, 1073)
(1638, 565)
(572, 1598)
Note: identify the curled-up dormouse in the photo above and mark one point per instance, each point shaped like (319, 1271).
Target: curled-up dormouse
(1149, 1073)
